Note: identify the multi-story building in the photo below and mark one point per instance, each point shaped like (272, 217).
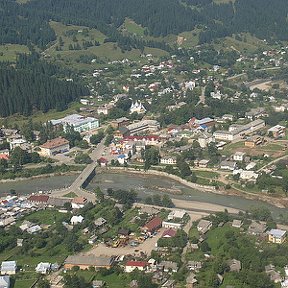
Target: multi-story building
(277, 131)
(78, 122)
(168, 160)
(143, 126)
(277, 236)
(238, 131)
(54, 146)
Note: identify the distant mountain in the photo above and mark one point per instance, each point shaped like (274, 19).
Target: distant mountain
(29, 23)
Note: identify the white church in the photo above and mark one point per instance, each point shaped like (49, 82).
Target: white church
(137, 107)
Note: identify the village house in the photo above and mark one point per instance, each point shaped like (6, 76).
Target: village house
(54, 146)
(171, 225)
(194, 265)
(168, 266)
(43, 268)
(237, 223)
(277, 131)
(228, 117)
(176, 214)
(248, 175)
(239, 156)
(8, 267)
(169, 233)
(273, 275)
(34, 229)
(257, 228)
(277, 236)
(121, 132)
(205, 139)
(204, 226)
(105, 109)
(234, 265)
(120, 122)
(130, 266)
(5, 281)
(168, 160)
(253, 141)
(228, 165)
(100, 222)
(76, 220)
(153, 225)
(86, 261)
(78, 202)
(255, 113)
(38, 199)
(191, 281)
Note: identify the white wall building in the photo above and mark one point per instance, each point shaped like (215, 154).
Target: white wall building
(54, 146)
(78, 122)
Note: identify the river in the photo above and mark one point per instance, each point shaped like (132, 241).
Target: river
(38, 184)
(145, 185)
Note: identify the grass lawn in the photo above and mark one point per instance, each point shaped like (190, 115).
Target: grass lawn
(196, 255)
(72, 34)
(206, 174)
(253, 189)
(70, 195)
(133, 27)
(231, 148)
(191, 38)
(193, 232)
(8, 52)
(115, 281)
(272, 147)
(249, 43)
(216, 238)
(47, 217)
(24, 283)
(86, 274)
(40, 116)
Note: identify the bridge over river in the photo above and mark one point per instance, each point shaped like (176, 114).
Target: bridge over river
(78, 186)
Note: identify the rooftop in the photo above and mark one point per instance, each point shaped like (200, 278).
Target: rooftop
(38, 198)
(90, 260)
(137, 263)
(277, 233)
(73, 119)
(54, 143)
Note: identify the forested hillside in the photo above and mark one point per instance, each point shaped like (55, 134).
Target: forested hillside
(28, 23)
(31, 86)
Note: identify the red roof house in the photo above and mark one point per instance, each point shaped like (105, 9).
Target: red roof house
(132, 265)
(169, 233)
(153, 225)
(40, 199)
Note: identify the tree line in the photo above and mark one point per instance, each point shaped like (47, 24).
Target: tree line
(33, 86)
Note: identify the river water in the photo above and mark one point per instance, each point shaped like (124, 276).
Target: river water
(37, 184)
(145, 185)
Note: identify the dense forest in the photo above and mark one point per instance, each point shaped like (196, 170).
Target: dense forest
(29, 23)
(31, 86)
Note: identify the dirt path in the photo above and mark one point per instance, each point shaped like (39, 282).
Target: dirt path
(202, 206)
